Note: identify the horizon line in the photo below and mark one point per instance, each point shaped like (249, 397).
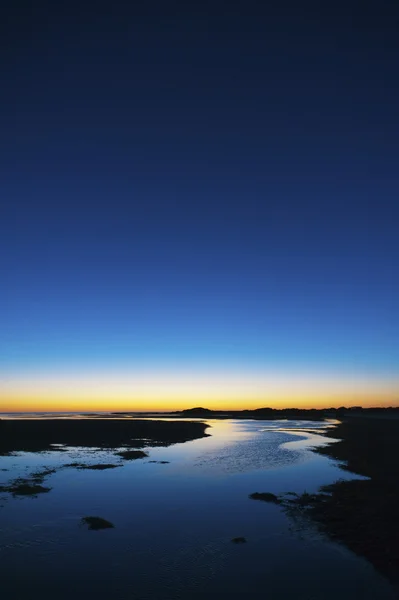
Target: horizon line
(213, 410)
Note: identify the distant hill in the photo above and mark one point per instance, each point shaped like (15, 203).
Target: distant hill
(291, 413)
(197, 411)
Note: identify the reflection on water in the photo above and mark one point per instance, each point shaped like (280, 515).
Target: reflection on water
(174, 523)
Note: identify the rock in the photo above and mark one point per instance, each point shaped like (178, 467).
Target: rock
(96, 523)
(265, 497)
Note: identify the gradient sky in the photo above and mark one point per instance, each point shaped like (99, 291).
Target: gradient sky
(199, 205)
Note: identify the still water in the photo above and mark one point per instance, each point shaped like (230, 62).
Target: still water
(174, 523)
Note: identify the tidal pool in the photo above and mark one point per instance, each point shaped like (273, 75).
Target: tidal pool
(174, 516)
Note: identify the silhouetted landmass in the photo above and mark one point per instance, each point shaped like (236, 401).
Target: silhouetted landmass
(39, 435)
(29, 486)
(24, 487)
(96, 523)
(363, 514)
(239, 540)
(265, 497)
(99, 467)
(197, 411)
(39, 476)
(132, 454)
(312, 414)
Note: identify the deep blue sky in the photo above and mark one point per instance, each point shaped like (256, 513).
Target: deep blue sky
(200, 185)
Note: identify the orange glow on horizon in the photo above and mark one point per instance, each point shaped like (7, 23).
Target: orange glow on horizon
(166, 391)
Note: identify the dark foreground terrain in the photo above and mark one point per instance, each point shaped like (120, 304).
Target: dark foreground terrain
(40, 435)
(363, 514)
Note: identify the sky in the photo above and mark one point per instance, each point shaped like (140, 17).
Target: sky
(199, 205)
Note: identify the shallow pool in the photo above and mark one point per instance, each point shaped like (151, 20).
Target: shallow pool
(174, 523)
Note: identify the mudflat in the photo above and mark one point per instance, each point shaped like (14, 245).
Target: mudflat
(37, 435)
(363, 514)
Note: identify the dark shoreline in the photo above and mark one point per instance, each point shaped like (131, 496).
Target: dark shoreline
(31, 435)
(362, 514)
(265, 413)
(270, 414)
